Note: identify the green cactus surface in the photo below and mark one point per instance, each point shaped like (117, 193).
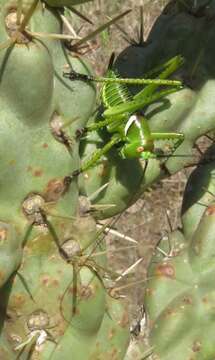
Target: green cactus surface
(33, 110)
(179, 297)
(54, 303)
(64, 299)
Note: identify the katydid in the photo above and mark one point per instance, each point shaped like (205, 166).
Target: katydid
(122, 116)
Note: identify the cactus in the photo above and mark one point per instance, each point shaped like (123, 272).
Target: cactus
(179, 296)
(33, 111)
(179, 30)
(53, 300)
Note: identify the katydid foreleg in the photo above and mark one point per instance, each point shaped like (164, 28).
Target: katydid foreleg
(95, 157)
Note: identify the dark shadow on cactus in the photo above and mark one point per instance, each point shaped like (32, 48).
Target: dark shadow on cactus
(199, 180)
(156, 108)
(27, 234)
(5, 295)
(25, 285)
(5, 60)
(182, 34)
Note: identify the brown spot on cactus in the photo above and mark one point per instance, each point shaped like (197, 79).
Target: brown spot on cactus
(114, 354)
(18, 300)
(97, 344)
(38, 173)
(197, 345)
(3, 234)
(2, 277)
(124, 320)
(29, 168)
(169, 312)
(45, 280)
(12, 162)
(45, 146)
(166, 270)
(55, 282)
(72, 290)
(85, 292)
(187, 300)
(205, 300)
(149, 291)
(111, 333)
(54, 190)
(210, 210)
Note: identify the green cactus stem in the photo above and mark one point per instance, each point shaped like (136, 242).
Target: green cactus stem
(54, 302)
(179, 296)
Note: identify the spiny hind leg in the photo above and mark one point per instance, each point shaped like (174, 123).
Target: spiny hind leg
(176, 61)
(177, 138)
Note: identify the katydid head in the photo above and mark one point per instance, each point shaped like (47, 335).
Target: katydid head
(138, 149)
(139, 141)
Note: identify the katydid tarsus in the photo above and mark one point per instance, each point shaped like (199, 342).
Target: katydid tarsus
(122, 116)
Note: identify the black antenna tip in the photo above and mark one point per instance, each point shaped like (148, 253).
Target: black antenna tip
(73, 75)
(111, 61)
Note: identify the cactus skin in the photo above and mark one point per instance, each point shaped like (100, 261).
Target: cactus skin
(66, 3)
(179, 298)
(189, 111)
(29, 104)
(37, 211)
(48, 276)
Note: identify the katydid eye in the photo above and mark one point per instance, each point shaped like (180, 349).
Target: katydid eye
(140, 149)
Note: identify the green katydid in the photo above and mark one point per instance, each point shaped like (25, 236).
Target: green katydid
(122, 117)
